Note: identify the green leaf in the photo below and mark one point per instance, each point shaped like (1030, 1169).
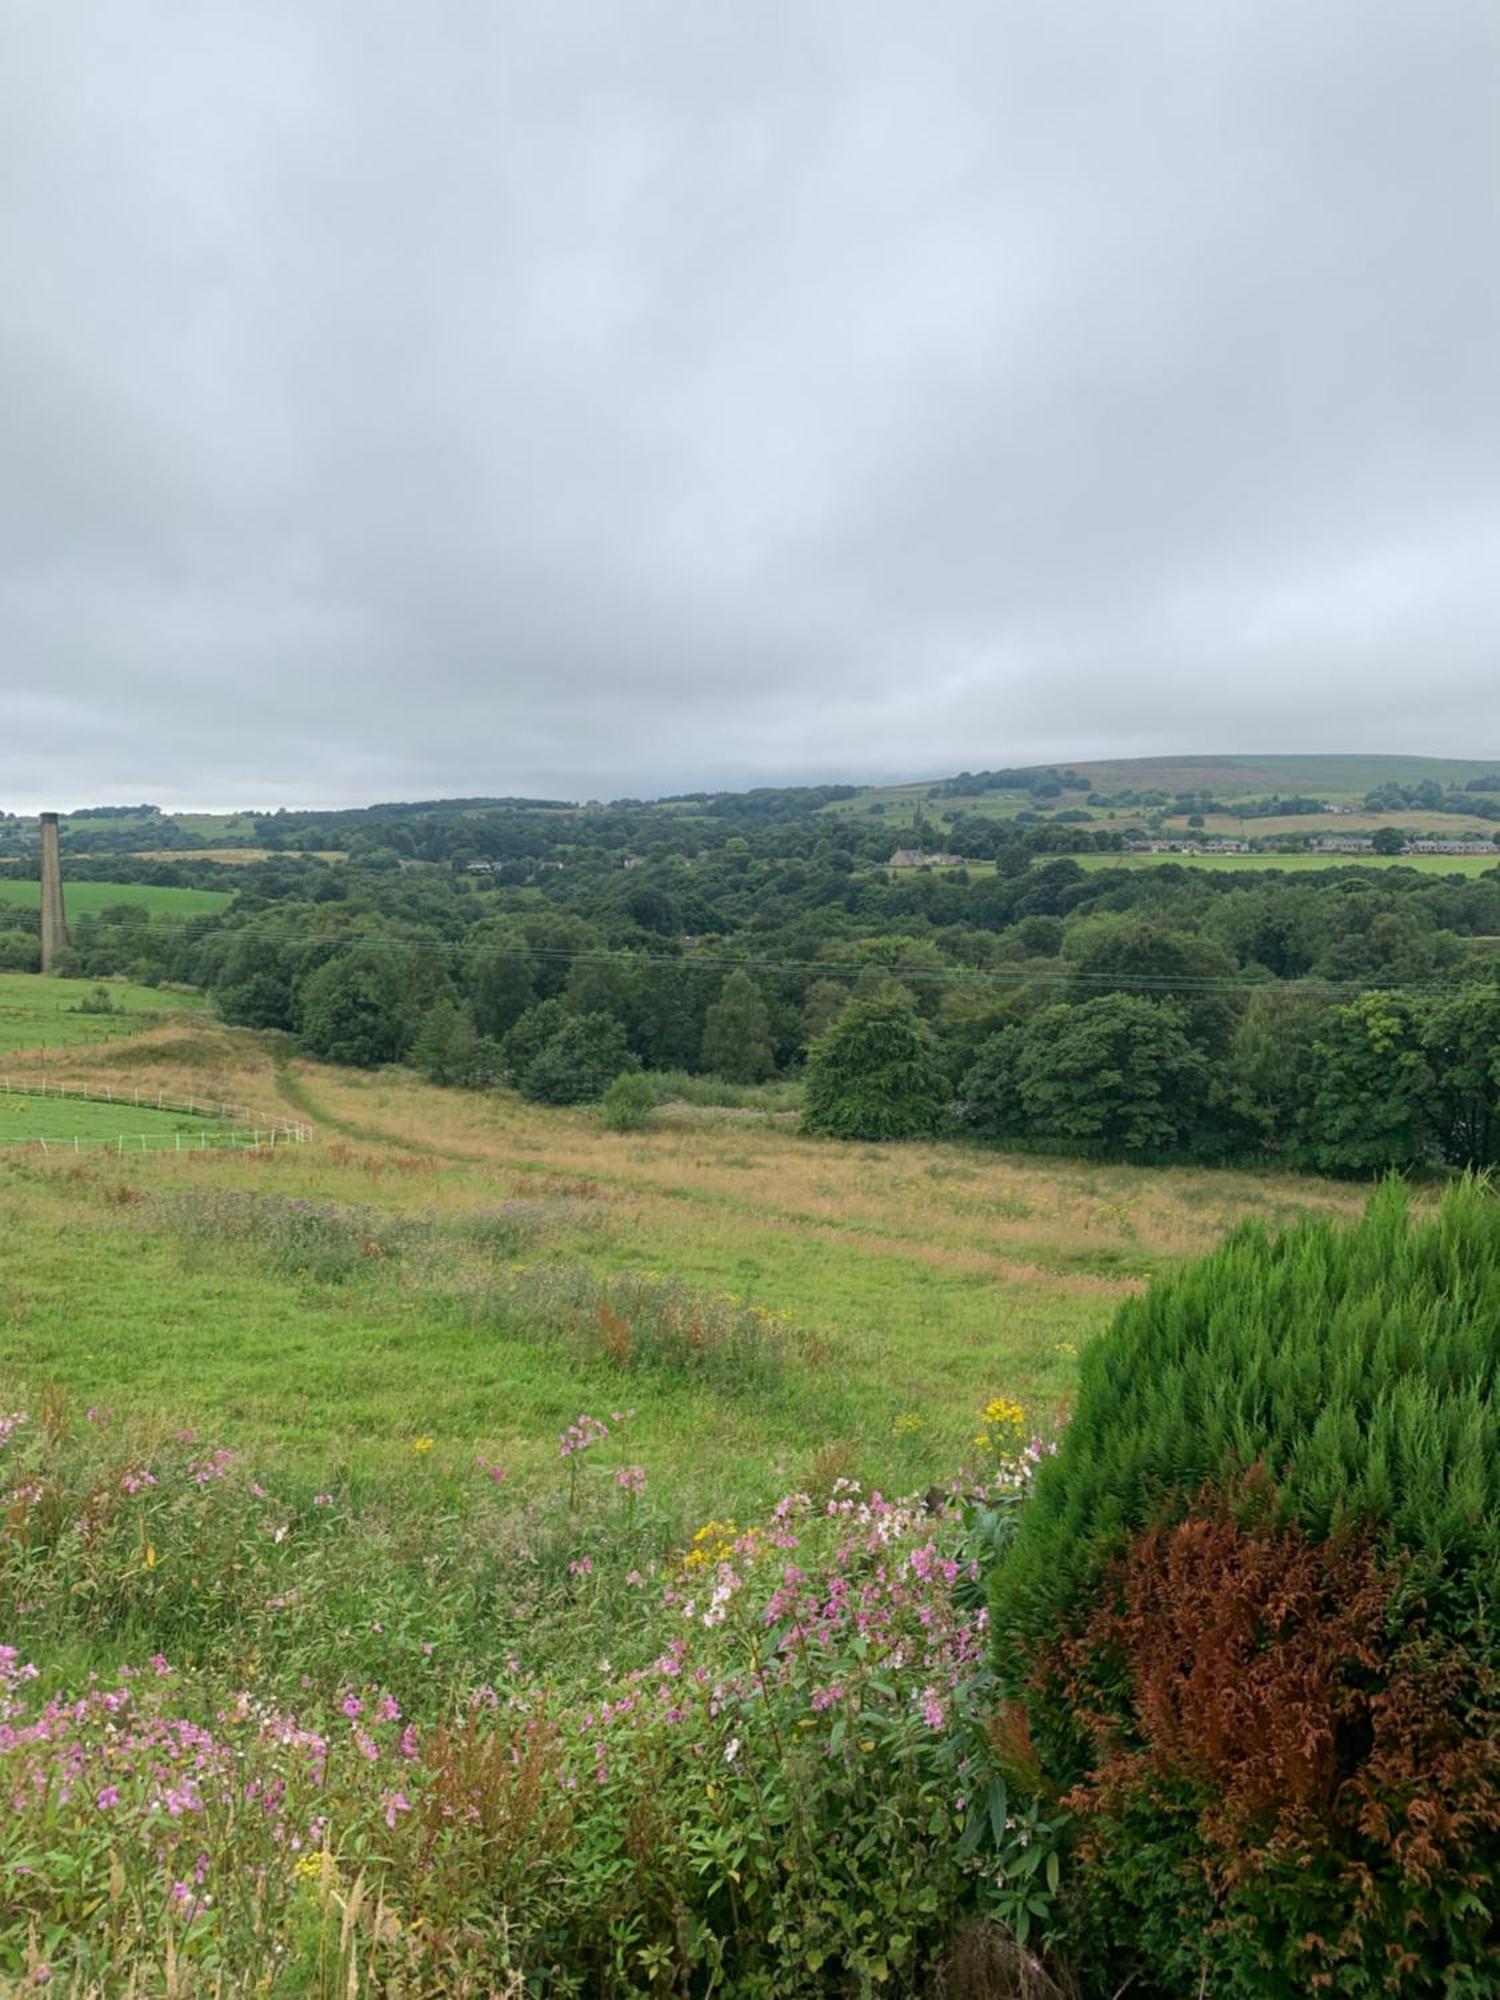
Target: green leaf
(998, 1802)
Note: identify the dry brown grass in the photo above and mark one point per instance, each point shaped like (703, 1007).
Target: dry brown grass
(925, 1260)
(970, 1204)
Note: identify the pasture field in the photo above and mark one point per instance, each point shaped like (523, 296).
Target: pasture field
(406, 1527)
(482, 1254)
(1424, 864)
(1446, 826)
(1344, 778)
(235, 857)
(29, 1117)
(43, 1014)
(1332, 775)
(87, 899)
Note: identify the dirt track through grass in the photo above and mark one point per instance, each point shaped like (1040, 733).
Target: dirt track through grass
(926, 1278)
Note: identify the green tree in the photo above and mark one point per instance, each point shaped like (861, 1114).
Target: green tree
(447, 1047)
(577, 1063)
(990, 1092)
(1365, 1086)
(363, 1005)
(1117, 1072)
(1040, 937)
(824, 1002)
(1460, 1037)
(1388, 840)
(498, 977)
(530, 1035)
(19, 952)
(1135, 956)
(875, 1074)
(737, 1033)
(1257, 1084)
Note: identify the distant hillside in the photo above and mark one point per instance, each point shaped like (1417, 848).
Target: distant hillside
(1239, 777)
(1002, 790)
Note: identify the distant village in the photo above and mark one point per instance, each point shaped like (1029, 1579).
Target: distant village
(1323, 843)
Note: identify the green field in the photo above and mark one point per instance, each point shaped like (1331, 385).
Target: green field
(1423, 864)
(909, 1285)
(38, 1013)
(87, 899)
(287, 1442)
(28, 1118)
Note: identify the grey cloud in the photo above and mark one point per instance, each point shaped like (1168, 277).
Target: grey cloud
(582, 399)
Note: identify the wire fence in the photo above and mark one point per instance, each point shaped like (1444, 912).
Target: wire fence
(240, 1126)
(246, 1139)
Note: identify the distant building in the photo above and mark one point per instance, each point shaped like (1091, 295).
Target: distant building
(914, 857)
(1454, 847)
(1343, 843)
(635, 861)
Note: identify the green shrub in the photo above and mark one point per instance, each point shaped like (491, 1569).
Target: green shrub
(100, 1001)
(1247, 1616)
(20, 951)
(628, 1103)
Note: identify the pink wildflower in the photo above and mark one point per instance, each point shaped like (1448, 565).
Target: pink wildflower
(581, 1436)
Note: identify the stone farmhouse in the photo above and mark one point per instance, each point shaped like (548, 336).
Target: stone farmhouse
(914, 857)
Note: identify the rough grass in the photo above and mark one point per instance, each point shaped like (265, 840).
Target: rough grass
(903, 1287)
(42, 1014)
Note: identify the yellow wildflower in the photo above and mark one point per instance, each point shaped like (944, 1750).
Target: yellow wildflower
(421, 1444)
(320, 1868)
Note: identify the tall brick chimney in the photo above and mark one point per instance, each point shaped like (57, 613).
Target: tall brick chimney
(54, 920)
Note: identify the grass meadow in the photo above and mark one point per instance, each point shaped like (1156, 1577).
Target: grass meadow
(87, 899)
(480, 1250)
(34, 1118)
(38, 1014)
(482, 1554)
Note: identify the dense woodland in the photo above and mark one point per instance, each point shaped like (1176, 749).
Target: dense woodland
(1345, 1019)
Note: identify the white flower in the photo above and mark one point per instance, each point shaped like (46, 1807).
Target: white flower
(731, 1749)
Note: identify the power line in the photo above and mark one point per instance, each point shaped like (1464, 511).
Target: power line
(1024, 973)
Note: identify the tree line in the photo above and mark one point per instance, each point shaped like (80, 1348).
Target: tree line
(1169, 1012)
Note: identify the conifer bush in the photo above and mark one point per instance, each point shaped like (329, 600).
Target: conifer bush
(1246, 1627)
(875, 1073)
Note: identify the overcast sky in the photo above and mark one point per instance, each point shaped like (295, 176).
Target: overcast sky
(410, 400)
